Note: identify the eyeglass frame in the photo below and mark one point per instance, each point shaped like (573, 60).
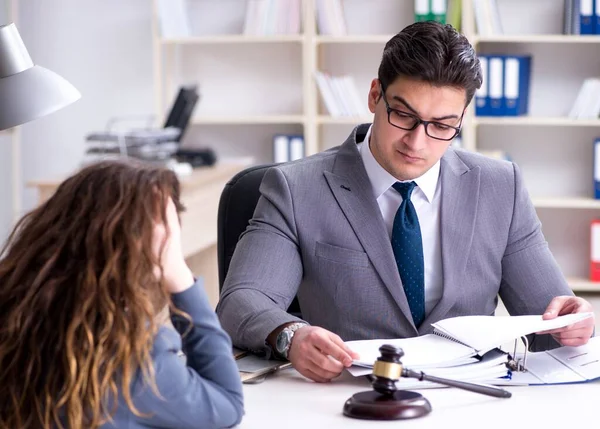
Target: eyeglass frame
(419, 121)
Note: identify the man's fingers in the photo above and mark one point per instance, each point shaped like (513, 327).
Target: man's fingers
(324, 367)
(340, 343)
(326, 362)
(574, 342)
(553, 331)
(559, 305)
(329, 347)
(587, 324)
(308, 373)
(576, 333)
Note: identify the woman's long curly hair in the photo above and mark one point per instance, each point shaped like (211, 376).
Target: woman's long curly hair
(79, 295)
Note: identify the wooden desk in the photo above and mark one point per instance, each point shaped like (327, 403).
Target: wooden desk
(200, 194)
(288, 400)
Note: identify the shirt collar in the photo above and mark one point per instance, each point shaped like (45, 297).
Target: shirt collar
(381, 180)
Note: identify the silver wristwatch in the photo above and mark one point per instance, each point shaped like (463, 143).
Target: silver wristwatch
(284, 338)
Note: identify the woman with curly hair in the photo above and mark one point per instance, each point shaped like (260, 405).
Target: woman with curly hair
(82, 280)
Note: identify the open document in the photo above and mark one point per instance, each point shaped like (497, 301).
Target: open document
(466, 348)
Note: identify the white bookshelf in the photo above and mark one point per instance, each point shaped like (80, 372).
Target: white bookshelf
(537, 38)
(558, 121)
(567, 203)
(583, 285)
(232, 38)
(343, 120)
(364, 38)
(253, 87)
(248, 120)
(554, 152)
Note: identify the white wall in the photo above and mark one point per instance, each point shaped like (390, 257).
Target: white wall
(104, 48)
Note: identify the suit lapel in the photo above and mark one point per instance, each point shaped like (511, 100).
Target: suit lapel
(460, 195)
(351, 188)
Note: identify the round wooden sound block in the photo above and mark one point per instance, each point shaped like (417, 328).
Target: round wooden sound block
(371, 405)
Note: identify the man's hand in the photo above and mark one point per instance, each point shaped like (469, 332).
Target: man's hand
(576, 334)
(319, 354)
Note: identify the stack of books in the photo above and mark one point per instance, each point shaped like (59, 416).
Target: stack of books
(581, 17)
(587, 103)
(487, 17)
(272, 17)
(340, 95)
(288, 147)
(505, 88)
(330, 17)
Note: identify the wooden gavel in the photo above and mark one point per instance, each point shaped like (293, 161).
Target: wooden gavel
(386, 402)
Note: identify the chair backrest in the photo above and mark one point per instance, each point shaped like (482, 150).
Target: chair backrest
(236, 208)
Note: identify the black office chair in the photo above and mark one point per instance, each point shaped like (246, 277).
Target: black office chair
(236, 208)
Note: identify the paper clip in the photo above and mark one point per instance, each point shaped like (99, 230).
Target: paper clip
(518, 364)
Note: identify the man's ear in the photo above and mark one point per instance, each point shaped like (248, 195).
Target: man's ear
(374, 94)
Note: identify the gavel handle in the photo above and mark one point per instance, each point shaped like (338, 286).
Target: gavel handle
(473, 387)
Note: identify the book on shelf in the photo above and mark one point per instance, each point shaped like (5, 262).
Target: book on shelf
(173, 18)
(586, 17)
(288, 147)
(340, 95)
(487, 17)
(581, 17)
(505, 87)
(454, 14)
(431, 10)
(330, 17)
(587, 103)
(467, 348)
(597, 17)
(272, 17)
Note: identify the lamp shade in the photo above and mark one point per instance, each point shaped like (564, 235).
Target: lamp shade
(27, 91)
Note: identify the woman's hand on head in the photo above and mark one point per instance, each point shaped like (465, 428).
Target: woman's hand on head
(177, 275)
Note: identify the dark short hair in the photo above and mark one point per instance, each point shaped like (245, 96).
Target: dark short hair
(434, 53)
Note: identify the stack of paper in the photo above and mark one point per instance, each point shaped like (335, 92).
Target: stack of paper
(466, 348)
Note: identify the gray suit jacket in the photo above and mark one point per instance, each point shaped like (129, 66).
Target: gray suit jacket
(318, 231)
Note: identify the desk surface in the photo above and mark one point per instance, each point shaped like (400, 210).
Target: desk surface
(288, 400)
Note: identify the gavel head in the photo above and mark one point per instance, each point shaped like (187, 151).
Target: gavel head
(387, 370)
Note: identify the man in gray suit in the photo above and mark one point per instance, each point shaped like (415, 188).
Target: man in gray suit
(394, 229)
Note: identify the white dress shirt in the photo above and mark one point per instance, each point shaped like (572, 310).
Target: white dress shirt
(426, 198)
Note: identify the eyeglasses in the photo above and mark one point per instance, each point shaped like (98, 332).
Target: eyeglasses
(409, 122)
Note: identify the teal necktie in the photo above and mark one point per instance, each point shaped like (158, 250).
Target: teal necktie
(408, 251)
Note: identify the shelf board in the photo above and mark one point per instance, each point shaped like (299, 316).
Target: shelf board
(566, 203)
(234, 38)
(359, 38)
(537, 38)
(249, 120)
(583, 285)
(535, 121)
(343, 120)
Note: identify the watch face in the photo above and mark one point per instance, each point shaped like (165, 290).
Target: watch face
(283, 341)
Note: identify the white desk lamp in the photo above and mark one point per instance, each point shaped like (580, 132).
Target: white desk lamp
(27, 92)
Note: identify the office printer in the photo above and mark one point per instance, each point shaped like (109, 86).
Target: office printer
(152, 144)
